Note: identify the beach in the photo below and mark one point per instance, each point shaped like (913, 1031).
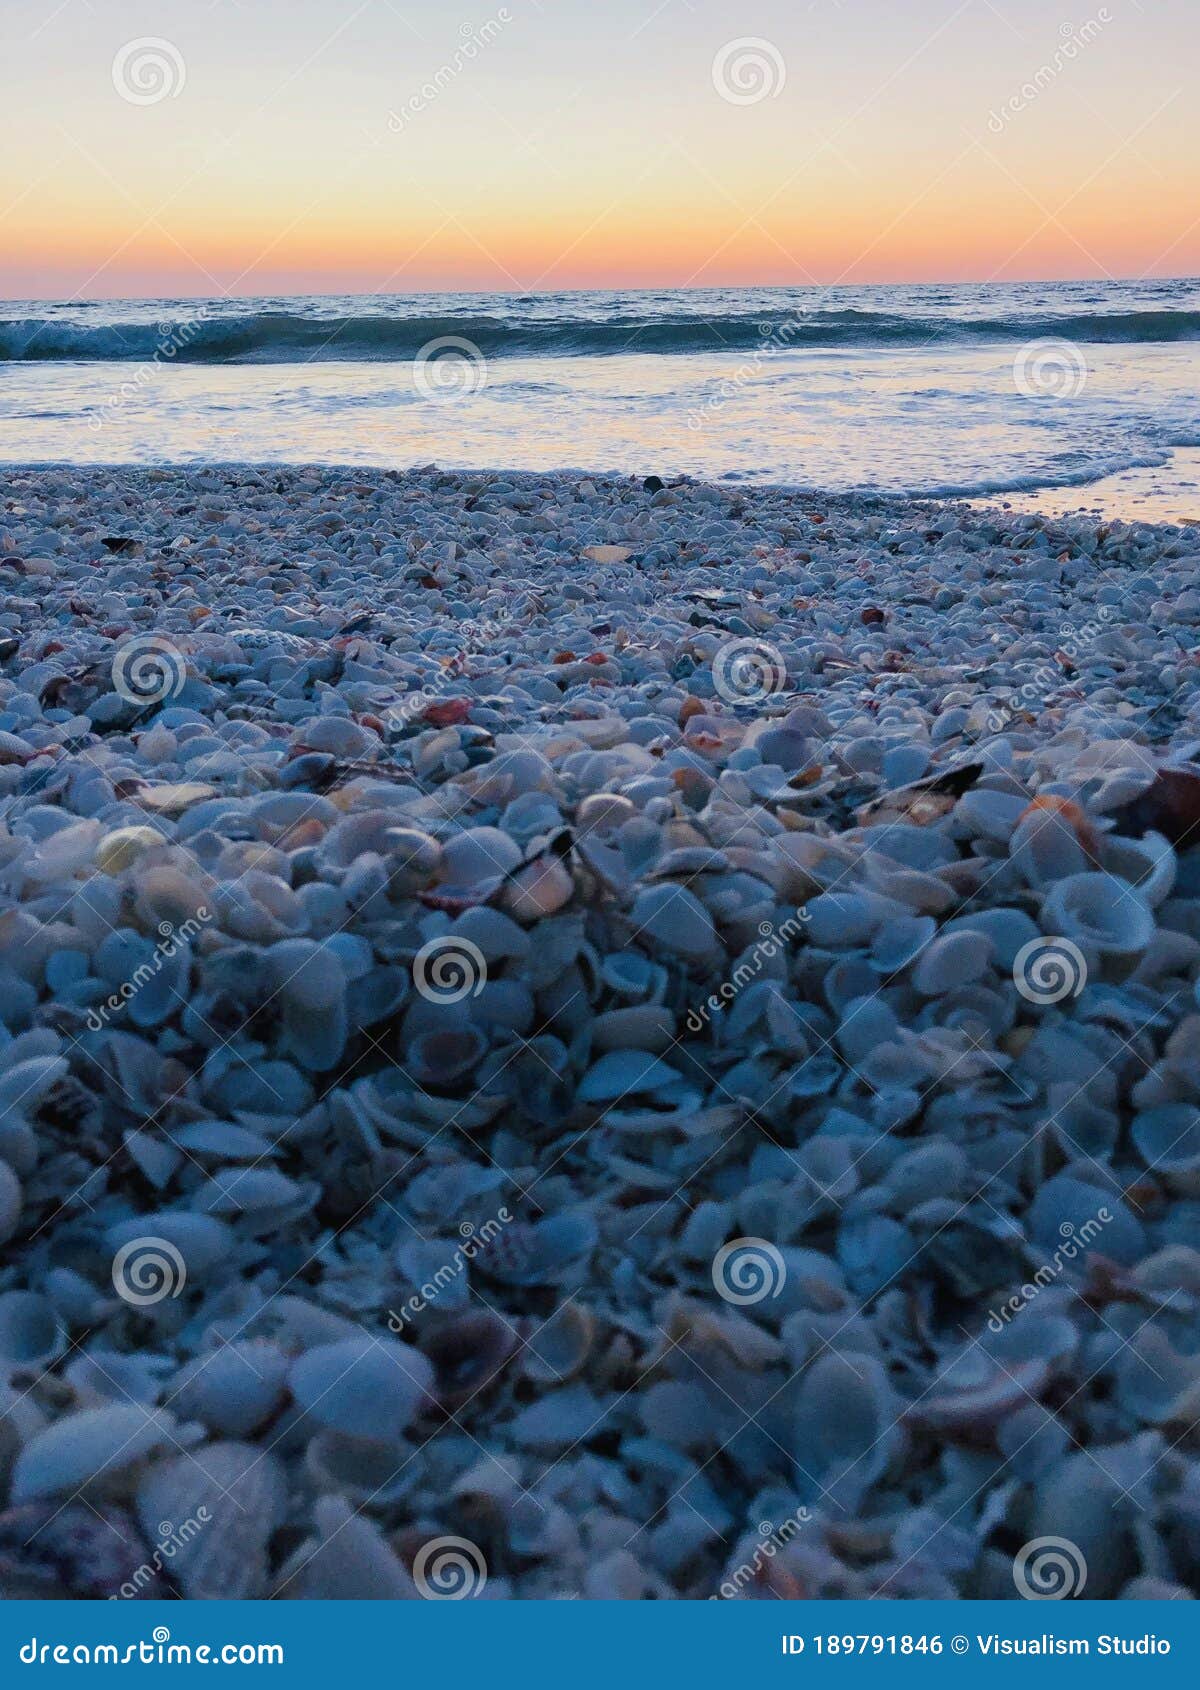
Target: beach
(595, 1036)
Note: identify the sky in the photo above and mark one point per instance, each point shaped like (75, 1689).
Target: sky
(165, 148)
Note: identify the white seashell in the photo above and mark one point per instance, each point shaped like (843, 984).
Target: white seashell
(310, 983)
(1099, 913)
(675, 919)
(538, 890)
(1045, 848)
(1168, 1139)
(234, 1389)
(900, 941)
(623, 1073)
(214, 1511)
(838, 920)
(348, 1562)
(202, 1240)
(92, 1449)
(368, 1388)
(952, 960)
(1149, 864)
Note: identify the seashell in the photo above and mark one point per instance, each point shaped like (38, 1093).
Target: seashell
(673, 919)
(1046, 848)
(900, 941)
(647, 1027)
(119, 850)
(234, 1389)
(469, 1352)
(561, 1346)
(837, 920)
(844, 1430)
(1149, 864)
(369, 1388)
(202, 1240)
(623, 1073)
(540, 1254)
(1168, 1140)
(1099, 913)
(217, 1509)
(1076, 1218)
(348, 1561)
(310, 983)
(632, 976)
(51, 1552)
(95, 1449)
(30, 1334)
(538, 890)
(952, 960)
(441, 1059)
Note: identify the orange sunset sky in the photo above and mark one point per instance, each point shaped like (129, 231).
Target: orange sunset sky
(568, 144)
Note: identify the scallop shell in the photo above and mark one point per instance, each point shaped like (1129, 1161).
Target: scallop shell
(235, 1495)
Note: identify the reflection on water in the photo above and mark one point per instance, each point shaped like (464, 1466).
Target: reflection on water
(942, 419)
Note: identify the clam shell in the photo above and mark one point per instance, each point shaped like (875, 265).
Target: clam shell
(363, 1387)
(94, 1449)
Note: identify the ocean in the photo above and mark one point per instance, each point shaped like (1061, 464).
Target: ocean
(1076, 393)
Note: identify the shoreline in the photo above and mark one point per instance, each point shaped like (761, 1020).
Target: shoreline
(1135, 495)
(720, 961)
